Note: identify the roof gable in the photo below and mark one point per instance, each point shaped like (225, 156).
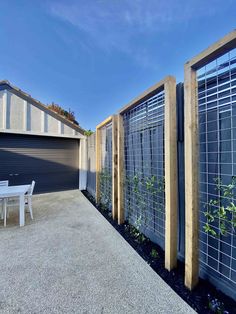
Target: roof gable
(6, 85)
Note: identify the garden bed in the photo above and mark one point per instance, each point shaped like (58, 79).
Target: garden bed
(204, 297)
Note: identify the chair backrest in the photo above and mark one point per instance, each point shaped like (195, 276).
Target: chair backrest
(31, 189)
(4, 183)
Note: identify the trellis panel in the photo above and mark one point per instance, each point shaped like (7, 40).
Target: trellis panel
(148, 155)
(210, 91)
(106, 164)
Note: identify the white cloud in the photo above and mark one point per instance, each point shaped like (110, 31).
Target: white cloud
(116, 24)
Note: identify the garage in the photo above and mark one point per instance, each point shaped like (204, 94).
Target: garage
(52, 162)
(37, 143)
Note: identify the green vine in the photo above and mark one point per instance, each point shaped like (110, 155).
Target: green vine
(105, 180)
(222, 209)
(140, 185)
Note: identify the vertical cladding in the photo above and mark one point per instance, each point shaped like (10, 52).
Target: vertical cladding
(144, 190)
(67, 130)
(1, 109)
(217, 168)
(52, 125)
(106, 166)
(15, 111)
(62, 128)
(28, 110)
(35, 119)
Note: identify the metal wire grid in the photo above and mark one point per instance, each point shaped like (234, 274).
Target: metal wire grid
(106, 167)
(144, 167)
(217, 136)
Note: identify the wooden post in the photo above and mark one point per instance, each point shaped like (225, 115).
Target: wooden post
(98, 163)
(171, 208)
(120, 142)
(191, 178)
(114, 169)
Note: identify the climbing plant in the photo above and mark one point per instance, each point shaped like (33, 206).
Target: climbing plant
(139, 186)
(222, 210)
(105, 179)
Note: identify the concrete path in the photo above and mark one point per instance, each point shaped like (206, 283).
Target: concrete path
(71, 260)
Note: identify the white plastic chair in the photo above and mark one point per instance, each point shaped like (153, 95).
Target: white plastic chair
(3, 183)
(28, 201)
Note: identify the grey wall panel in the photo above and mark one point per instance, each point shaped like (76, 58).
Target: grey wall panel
(180, 147)
(35, 119)
(52, 162)
(91, 177)
(16, 109)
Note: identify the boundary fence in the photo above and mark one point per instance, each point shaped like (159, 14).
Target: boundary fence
(193, 152)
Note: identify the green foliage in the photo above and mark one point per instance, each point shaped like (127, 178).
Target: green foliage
(69, 115)
(141, 197)
(216, 306)
(105, 179)
(222, 210)
(135, 230)
(150, 184)
(154, 253)
(88, 132)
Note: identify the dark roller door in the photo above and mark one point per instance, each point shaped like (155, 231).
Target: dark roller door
(52, 162)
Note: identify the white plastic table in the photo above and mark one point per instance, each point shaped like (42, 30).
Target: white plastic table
(16, 191)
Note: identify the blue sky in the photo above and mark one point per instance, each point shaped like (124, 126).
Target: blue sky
(94, 56)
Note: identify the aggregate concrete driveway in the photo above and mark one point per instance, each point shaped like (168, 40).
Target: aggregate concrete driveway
(71, 260)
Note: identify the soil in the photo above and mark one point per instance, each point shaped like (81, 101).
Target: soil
(199, 297)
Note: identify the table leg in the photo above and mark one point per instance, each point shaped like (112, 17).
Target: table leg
(5, 211)
(22, 211)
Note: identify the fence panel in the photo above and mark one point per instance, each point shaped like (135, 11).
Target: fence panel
(106, 190)
(149, 163)
(144, 167)
(212, 75)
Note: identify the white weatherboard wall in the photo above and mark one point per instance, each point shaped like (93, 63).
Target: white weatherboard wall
(19, 116)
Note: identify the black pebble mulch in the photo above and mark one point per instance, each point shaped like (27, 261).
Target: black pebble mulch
(198, 298)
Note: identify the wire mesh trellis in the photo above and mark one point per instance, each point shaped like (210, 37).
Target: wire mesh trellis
(105, 176)
(217, 167)
(144, 191)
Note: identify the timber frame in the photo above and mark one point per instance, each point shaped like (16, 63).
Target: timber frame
(112, 119)
(192, 152)
(168, 84)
